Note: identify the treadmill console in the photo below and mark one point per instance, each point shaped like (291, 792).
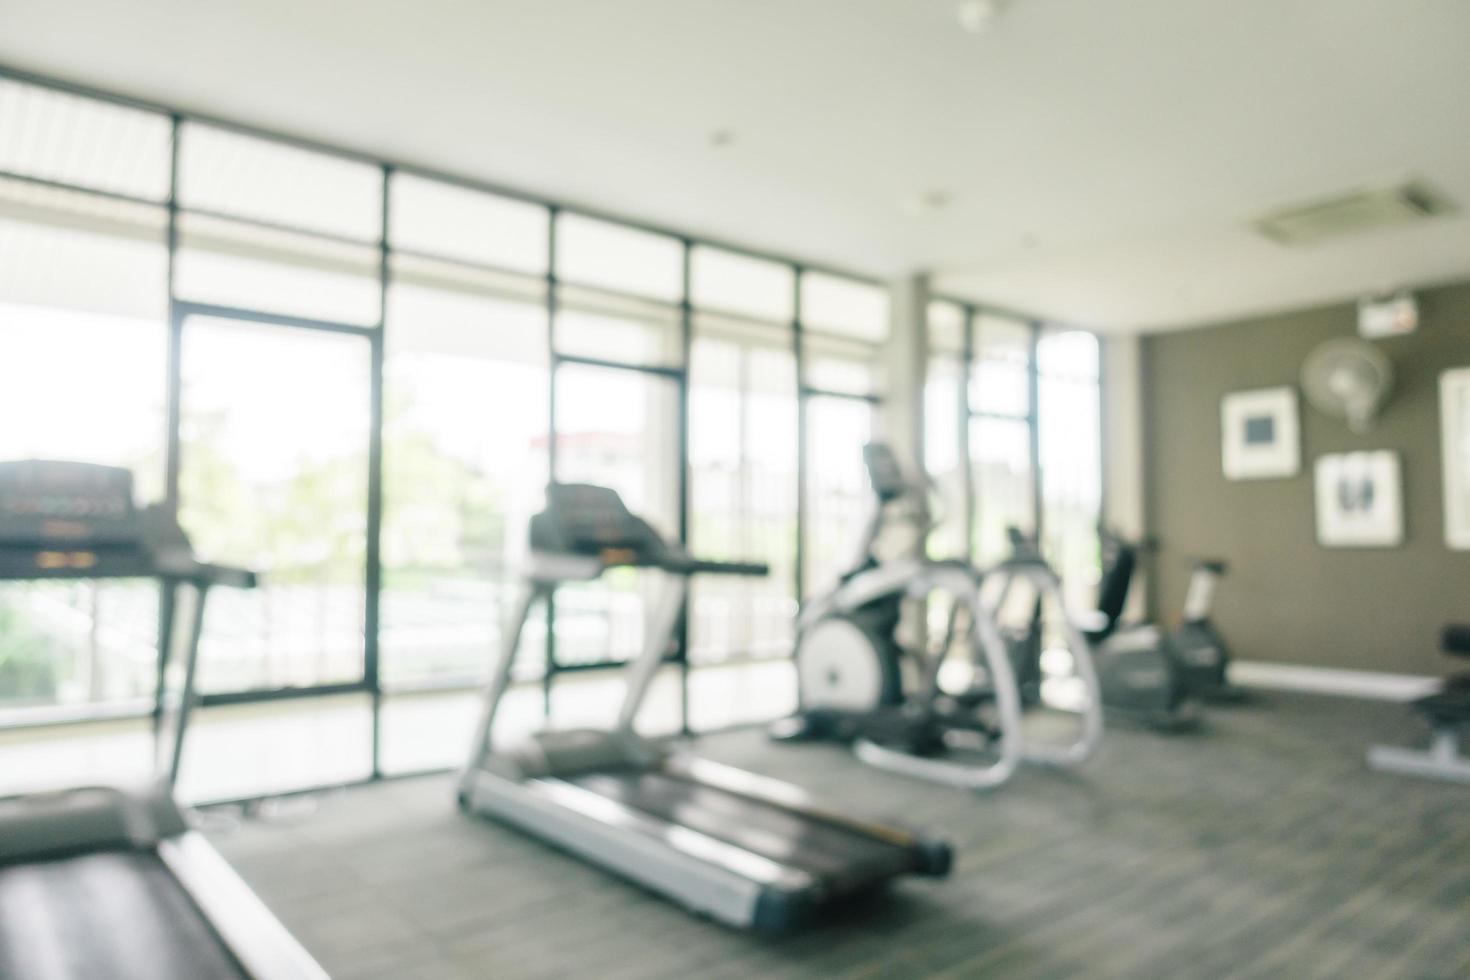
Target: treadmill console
(582, 519)
(47, 501)
(586, 521)
(78, 520)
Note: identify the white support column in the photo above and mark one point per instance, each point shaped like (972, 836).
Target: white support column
(1123, 445)
(905, 361)
(901, 421)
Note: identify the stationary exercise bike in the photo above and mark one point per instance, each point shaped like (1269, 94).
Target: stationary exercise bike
(859, 682)
(1197, 645)
(1148, 671)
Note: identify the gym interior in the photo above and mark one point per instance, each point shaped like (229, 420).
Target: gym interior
(646, 489)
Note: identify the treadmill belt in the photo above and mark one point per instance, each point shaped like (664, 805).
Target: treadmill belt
(830, 852)
(108, 915)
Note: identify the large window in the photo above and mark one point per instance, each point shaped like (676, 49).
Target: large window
(946, 419)
(1021, 406)
(615, 427)
(1070, 431)
(844, 327)
(839, 499)
(742, 456)
(465, 435)
(372, 372)
(743, 494)
(743, 507)
(83, 350)
(274, 477)
(1000, 439)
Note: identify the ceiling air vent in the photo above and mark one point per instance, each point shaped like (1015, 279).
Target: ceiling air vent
(1351, 214)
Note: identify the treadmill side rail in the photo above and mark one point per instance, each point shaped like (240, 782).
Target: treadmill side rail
(252, 934)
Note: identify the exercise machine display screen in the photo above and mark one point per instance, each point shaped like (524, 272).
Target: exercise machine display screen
(44, 501)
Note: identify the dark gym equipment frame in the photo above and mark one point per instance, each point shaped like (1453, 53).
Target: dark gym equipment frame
(180, 310)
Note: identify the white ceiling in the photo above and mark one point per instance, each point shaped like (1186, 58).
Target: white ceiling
(1101, 156)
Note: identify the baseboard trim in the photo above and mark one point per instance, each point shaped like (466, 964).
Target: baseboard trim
(1372, 684)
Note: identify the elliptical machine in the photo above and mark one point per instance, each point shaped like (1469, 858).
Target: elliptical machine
(859, 683)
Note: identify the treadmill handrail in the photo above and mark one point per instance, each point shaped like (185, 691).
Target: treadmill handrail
(560, 566)
(704, 566)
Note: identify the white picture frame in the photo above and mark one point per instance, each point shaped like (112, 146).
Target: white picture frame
(1260, 434)
(1454, 407)
(1360, 500)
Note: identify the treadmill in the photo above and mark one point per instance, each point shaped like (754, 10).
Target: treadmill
(102, 882)
(742, 849)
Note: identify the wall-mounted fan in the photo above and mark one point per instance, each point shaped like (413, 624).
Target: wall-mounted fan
(1348, 379)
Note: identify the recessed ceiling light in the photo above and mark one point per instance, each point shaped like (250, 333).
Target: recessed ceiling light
(978, 16)
(721, 138)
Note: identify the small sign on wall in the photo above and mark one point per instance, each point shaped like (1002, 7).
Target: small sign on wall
(1260, 434)
(1359, 500)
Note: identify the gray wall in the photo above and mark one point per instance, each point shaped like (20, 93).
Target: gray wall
(1288, 599)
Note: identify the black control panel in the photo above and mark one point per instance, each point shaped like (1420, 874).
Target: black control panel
(63, 519)
(582, 519)
(591, 521)
(45, 501)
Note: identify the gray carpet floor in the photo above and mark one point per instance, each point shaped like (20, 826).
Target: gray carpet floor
(1259, 846)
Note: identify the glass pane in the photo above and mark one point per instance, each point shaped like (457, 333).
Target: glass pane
(743, 481)
(592, 700)
(270, 748)
(83, 302)
(1071, 461)
(599, 253)
(619, 429)
(739, 284)
(844, 306)
(75, 140)
(442, 219)
(79, 252)
(838, 495)
(944, 453)
(726, 695)
(1068, 354)
(465, 425)
(113, 753)
(231, 173)
(946, 327)
(1000, 461)
(121, 419)
(627, 333)
(77, 643)
(275, 461)
(231, 264)
(432, 729)
(833, 365)
(998, 380)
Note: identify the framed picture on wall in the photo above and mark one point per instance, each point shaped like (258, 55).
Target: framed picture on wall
(1260, 434)
(1454, 400)
(1360, 500)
